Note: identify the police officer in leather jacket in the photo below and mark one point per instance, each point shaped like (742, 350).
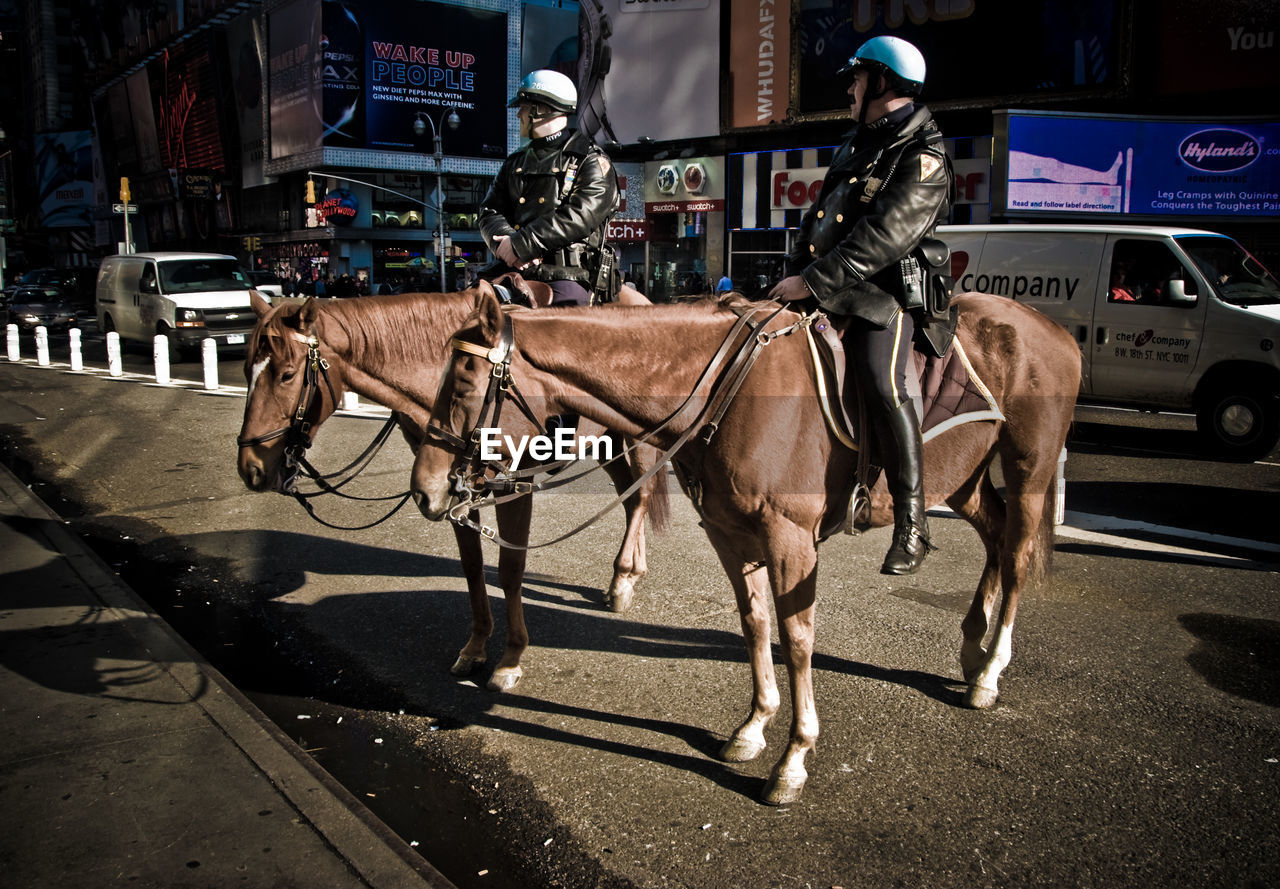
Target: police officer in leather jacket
(546, 212)
(888, 186)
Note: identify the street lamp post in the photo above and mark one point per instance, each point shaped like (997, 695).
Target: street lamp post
(437, 133)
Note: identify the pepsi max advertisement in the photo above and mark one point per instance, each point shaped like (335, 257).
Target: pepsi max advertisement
(1152, 167)
(391, 72)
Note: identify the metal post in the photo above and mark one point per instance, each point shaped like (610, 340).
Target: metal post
(15, 352)
(115, 366)
(77, 355)
(42, 346)
(209, 360)
(160, 354)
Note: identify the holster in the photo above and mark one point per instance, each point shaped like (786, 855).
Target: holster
(936, 324)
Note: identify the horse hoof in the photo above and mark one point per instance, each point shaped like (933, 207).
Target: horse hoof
(979, 698)
(620, 595)
(505, 679)
(739, 750)
(466, 666)
(783, 790)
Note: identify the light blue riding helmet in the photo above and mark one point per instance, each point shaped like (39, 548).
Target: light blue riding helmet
(900, 62)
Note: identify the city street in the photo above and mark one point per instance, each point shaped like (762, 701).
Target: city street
(1135, 742)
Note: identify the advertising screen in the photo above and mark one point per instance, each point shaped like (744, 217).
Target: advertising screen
(392, 71)
(293, 58)
(64, 177)
(1094, 164)
(1061, 46)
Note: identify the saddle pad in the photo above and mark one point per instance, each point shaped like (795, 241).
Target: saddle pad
(951, 393)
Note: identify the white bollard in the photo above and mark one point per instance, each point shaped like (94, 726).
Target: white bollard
(160, 352)
(1060, 490)
(209, 357)
(77, 356)
(115, 366)
(350, 401)
(42, 346)
(14, 352)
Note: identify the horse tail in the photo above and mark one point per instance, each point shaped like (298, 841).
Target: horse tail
(660, 499)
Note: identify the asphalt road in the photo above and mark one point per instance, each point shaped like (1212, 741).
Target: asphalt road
(1135, 743)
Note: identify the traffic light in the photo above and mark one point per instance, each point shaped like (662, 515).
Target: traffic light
(251, 243)
(311, 191)
(124, 189)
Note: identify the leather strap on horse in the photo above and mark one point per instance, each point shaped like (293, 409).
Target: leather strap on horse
(298, 431)
(721, 397)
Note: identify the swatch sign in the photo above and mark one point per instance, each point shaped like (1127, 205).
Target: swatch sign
(1219, 151)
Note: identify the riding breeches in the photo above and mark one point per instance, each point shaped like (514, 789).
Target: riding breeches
(880, 358)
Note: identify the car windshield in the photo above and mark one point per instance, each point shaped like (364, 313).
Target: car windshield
(1236, 276)
(197, 275)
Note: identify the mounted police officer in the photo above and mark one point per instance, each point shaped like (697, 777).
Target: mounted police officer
(887, 188)
(545, 215)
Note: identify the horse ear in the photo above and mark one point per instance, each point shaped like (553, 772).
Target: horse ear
(308, 314)
(260, 305)
(489, 311)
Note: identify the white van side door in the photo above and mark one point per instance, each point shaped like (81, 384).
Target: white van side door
(1144, 344)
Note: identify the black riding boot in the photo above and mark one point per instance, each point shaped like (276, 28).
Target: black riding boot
(905, 475)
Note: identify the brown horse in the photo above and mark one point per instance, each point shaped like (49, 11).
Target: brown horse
(771, 471)
(392, 350)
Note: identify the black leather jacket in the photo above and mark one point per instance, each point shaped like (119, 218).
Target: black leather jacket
(549, 213)
(852, 238)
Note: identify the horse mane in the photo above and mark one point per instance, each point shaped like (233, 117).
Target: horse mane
(404, 328)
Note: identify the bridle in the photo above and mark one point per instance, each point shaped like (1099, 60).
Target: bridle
(297, 435)
(468, 478)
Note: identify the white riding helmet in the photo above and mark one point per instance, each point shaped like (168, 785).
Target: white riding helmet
(900, 62)
(547, 87)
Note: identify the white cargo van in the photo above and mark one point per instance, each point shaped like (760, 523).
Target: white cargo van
(186, 296)
(1168, 319)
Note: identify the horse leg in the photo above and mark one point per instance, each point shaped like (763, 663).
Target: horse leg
(472, 656)
(513, 519)
(750, 589)
(1025, 529)
(980, 504)
(793, 564)
(630, 564)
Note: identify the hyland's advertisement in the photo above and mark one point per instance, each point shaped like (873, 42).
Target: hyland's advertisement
(392, 72)
(1077, 163)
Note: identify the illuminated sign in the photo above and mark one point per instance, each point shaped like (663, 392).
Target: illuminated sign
(1067, 164)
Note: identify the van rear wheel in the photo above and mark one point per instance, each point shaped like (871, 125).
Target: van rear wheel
(1240, 425)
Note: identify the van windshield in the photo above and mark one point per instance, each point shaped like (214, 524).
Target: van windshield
(1236, 276)
(199, 275)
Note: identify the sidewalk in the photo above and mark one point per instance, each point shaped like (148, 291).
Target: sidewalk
(126, 759)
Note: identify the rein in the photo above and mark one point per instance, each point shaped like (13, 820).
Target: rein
(297, 436)
(511, 485)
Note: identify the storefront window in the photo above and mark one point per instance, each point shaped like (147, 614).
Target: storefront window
(756, 259)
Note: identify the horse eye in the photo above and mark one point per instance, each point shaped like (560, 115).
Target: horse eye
(288, 376)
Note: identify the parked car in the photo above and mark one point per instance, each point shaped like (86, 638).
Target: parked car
(48, 306)
(266, 283)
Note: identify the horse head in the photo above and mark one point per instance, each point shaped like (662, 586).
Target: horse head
(441, 468)
(294, 385)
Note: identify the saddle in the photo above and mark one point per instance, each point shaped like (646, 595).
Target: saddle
(512, 288)
(949, 391)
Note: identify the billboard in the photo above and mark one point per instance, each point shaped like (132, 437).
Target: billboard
(391, 71)
(1061, 47)
(1056, 163)
(64, 178)
(759, 62)
(293, 65)
(245, 57)
(649, 70)
(185, 92)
